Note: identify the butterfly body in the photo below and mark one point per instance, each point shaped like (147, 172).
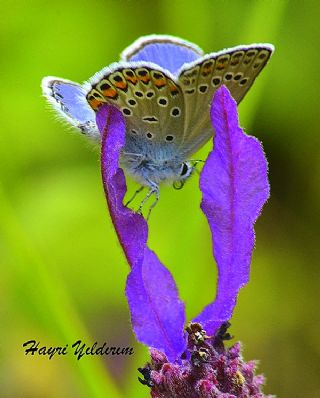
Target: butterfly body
(163, 86)
(153, 164)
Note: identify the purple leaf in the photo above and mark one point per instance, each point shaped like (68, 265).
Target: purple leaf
(157, 314)
(234, 184)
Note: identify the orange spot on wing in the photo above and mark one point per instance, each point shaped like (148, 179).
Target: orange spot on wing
(144, 79)
(110, 93)
(132, 79)
(160, 83)
(220, 66)
(94, 103)
(122, 85)
(208, 69)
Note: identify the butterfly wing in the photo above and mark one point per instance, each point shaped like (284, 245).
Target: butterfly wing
(236, 68)
(167, 51)
(151, 102)
(69, 99)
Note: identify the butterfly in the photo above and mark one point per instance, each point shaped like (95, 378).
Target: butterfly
(163, 86)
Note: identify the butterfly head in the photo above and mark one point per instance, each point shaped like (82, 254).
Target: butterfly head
(185, 171)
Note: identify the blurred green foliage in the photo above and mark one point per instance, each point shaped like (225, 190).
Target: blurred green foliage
(62, 269)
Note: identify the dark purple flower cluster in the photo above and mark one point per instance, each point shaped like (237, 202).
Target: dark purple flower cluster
(212, 371)
(234, 185)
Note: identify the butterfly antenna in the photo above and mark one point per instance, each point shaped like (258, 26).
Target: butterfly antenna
(195, 162)
(178, 185)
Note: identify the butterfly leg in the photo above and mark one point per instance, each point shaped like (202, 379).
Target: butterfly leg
(154, 189)
(134, 195)
(157, 194)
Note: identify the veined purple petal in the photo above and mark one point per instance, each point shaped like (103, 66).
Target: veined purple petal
(234, 185)
(131, 228)
(157, 314)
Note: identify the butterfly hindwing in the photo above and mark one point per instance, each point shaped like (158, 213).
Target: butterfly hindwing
(167, 51)
(236, 68)
(69, 100)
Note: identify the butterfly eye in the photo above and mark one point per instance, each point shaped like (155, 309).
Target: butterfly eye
(184, 169)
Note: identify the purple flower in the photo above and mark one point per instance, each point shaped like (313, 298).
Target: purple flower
(234, 185)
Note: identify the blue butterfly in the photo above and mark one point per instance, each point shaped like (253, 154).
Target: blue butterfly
(163, 85)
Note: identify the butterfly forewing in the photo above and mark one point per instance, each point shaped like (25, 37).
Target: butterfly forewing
(150, 100)
(237, 68)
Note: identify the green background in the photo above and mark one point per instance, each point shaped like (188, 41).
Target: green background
(62, 270)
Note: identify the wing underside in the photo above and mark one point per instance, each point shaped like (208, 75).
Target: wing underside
(236, 68)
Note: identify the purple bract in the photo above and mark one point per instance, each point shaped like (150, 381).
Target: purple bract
(157, 314)
(235, 186)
